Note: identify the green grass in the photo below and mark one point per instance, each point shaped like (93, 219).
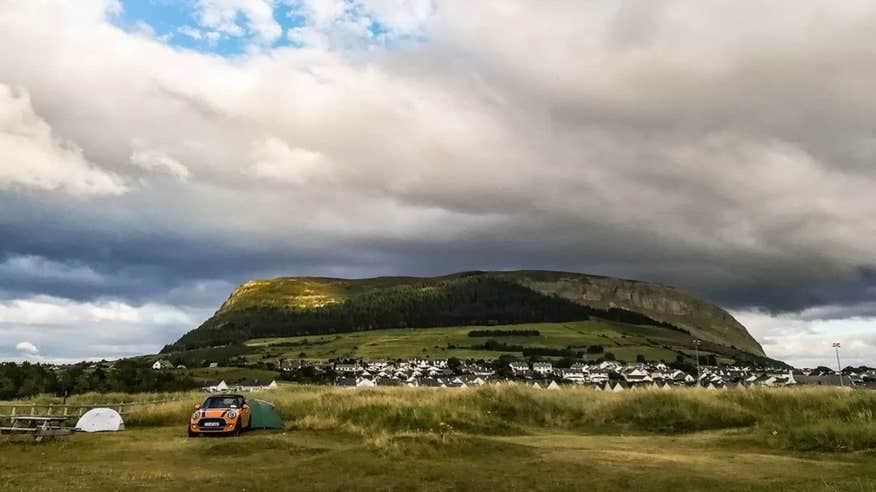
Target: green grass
(506, 438)
(802, 419)
(625, 341)
(674, 412)
(163, 459)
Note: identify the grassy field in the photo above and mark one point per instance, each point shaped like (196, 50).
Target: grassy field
(625, 341)
(508, 437)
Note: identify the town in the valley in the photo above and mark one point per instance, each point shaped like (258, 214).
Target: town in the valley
(603, 376)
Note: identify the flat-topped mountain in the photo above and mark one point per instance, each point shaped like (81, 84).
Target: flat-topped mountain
(296, 306)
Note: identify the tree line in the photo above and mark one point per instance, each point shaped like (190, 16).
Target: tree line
(25, 379)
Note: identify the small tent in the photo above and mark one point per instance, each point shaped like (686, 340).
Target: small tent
(264, 415)
(100, 420)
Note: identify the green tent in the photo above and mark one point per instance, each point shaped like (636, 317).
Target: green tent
(264, 415)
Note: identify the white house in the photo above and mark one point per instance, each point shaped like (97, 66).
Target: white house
(365, 383)
(250, 385)
(518, 367)
(637, 376)
(598, 377)
(214, 386)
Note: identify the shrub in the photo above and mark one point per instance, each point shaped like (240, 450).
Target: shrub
(676, 412)
(829, 435)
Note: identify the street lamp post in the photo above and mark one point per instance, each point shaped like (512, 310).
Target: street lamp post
(839, 367)
(697, 348)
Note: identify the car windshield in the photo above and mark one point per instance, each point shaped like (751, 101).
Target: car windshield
(223, 402)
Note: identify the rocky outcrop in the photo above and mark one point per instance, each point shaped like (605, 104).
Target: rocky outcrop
(701, 318)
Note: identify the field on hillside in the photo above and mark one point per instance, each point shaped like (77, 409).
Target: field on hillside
(625, 341)
(502, 437)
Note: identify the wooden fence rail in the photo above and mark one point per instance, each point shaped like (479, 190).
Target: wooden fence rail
(9, 410)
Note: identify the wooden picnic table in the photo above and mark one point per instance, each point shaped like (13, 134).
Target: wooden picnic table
(38, 426)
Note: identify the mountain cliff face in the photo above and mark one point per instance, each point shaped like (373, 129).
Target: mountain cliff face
(703, 319)
(293, 306)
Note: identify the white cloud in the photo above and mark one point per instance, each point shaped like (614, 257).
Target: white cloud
(27, 348)
(37, 267)
(114, 7)
(223, 16)
(276, 161)
(53, 311)
(160, 162)
(804, 342)
(333, 24)
(191, 32)
(33, 158)
(615, 117)
(71, 330)
(401, 16)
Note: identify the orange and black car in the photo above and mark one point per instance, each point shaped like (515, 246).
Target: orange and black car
(221, 414)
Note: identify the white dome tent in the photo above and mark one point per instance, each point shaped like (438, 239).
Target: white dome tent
(100, 420)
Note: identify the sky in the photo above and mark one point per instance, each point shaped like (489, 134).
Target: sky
(156, 153)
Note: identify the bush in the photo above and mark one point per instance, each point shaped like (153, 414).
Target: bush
(829, 435)
(676, 412)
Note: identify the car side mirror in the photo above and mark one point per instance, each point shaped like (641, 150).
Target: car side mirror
(197, 406)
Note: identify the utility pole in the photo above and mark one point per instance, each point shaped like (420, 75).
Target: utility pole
(697, 348)
(839, 367)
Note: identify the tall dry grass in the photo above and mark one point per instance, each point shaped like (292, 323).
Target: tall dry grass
(798, 418)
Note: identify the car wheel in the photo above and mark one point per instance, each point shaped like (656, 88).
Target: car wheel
(236, 431)
(192, 433)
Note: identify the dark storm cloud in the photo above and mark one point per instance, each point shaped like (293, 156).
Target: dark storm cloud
(119, 260)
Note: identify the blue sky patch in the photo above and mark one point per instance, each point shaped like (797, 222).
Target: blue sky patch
(177, 22)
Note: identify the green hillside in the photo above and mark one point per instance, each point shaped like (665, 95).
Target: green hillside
(578, 340)
(307, 307)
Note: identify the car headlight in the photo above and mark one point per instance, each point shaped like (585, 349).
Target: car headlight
(196, 415)
(232, 414)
